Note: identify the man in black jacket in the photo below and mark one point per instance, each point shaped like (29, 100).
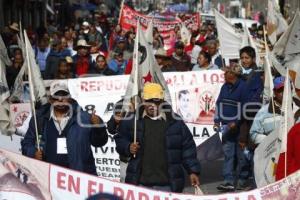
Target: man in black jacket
(164, 145)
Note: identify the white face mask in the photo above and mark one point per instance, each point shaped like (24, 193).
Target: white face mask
(246, 71)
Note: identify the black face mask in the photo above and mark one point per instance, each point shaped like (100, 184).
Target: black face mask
(62, 108)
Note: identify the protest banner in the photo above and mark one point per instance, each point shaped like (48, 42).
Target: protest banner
(26, 178)
(193, 96)
(129, 19)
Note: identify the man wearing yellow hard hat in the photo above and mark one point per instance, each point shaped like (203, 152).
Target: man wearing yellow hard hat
(164, 145)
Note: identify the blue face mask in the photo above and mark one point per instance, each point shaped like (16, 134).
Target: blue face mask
(246, 71)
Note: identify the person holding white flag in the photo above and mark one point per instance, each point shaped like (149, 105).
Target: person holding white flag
(267, 117)
(65, 132)
(161, 167)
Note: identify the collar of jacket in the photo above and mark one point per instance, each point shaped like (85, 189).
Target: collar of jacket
(162, 116)
(167, 110)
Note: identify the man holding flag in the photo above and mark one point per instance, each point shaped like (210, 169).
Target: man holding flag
(164, 145)
(268, 115)
(156, 139)
(62, 135)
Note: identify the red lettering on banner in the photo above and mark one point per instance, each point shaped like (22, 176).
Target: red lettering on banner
(60, 181)
(214, 78)
(193, 80)
(130, 195)
(118, 85)
(251, 197)
(96, 86)
(143, 196)
(222, 78)
(204, 78)
(92, 187)
(119, 192)
(92, 87)
(74, 186)
(91, 190)
(156, 198)
(83, 86)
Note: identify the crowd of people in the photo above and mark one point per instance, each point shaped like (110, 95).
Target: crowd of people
(94, 48)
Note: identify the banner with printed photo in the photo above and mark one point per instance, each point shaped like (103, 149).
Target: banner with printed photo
(129, 19)
(27, 179)
(23, 178)
(101, 94)
(193, 97)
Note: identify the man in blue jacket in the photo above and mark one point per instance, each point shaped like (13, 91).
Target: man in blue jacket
(66, 132)
(164, 145)
(227, 119)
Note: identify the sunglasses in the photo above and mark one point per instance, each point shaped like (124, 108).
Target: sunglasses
(57, 98)
(154, 101)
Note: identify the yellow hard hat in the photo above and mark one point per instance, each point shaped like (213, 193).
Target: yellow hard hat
(153, 91)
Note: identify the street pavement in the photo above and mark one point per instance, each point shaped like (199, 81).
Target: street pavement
(210, 177)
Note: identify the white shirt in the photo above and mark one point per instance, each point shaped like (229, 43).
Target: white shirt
(60, 125)
(195, 53)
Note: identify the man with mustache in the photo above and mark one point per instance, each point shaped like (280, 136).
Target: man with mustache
(66, 132)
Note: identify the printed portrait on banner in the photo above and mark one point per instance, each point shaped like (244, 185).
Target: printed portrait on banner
(197, 105)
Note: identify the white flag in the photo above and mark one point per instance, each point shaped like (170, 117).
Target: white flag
(5, 125)
(17, 91)
(4, 94)
(230, 40)
(287, 112)
(185, 34)
(268, 85)
(265, 158)
(289, 42)
(18, 84)
(3, 53)
(267, 153)
(285, 54)
(149, 32)
(36, 83)
(276, 24)
(4, 90)
(145, 69)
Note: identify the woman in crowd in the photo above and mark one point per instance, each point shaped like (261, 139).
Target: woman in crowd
(100, 67)
(204, 62)
(64, 69)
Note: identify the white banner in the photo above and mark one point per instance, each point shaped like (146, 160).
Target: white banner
(25, 178)
(193, 96)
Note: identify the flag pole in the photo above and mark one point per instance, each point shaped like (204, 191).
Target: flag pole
(272, 96)
(32, 99)
(121, 10)
(136, 82)
(285, 123)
